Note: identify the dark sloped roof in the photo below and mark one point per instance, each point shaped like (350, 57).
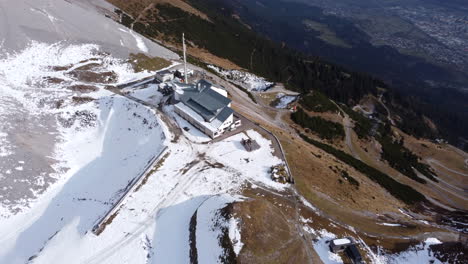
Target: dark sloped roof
(211, 99)
(224, 114)
(201, 110)
(206, 101)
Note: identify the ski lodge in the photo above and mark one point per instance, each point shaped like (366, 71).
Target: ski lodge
(204, 106)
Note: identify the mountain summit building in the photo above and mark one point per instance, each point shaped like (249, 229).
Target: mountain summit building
(205, 107)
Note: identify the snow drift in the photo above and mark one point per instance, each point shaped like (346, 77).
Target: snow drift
(245, 79)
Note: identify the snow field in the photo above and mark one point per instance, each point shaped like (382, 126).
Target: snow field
(148, 94)
(253, 165)
(163, 207)
(235, 234)
(284, 100)
(98, 152)
(209, 229)
(418, 254)
(249, 80)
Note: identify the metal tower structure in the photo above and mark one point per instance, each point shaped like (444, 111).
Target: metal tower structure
(185, 58)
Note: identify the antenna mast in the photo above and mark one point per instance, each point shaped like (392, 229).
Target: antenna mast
(185, 58)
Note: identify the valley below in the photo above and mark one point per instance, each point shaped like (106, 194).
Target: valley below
(97, 165)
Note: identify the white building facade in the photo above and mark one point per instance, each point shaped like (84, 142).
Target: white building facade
(205, 107)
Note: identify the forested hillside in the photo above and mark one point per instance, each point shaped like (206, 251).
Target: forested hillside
(224, 35)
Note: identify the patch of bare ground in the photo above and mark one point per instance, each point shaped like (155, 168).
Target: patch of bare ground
(450, 189)
(319, 178)
(54, 80)
(197, 52)
(430, 124)
(267, 225)
(267, 98)
(60, 68)
(82, 99)
(454, 252)
(83, 88)
(142, 62)
(88, 67)
(189, 166)
(135, 7)
(131, 7)
(443, 153)
(93, 77)
(209, 58)
(319, 172)
(109, 221)
(334, 117)
(268, 232)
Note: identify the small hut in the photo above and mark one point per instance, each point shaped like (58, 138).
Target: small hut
(339, 245)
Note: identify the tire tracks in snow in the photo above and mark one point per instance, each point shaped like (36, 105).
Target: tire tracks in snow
(179, 188)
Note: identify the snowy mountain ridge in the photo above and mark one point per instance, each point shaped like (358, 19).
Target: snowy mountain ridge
(73, 141)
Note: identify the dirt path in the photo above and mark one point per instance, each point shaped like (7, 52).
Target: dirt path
(433, 161)
(140, 16)
(348, 127)
(292, 196)
(389, 117)
(279, 114)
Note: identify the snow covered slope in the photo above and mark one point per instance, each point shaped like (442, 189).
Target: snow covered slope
(246, 79)
(52, 55)
(77, 144)
(211, 226)
(95, 143)
(77, 21)
(152, 226)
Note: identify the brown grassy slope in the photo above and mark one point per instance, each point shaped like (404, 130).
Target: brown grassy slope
(268, 232)
(141, 62)
(135, 7)
(320, 184)
(445, 154)
(140, 10)
(369, 151)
